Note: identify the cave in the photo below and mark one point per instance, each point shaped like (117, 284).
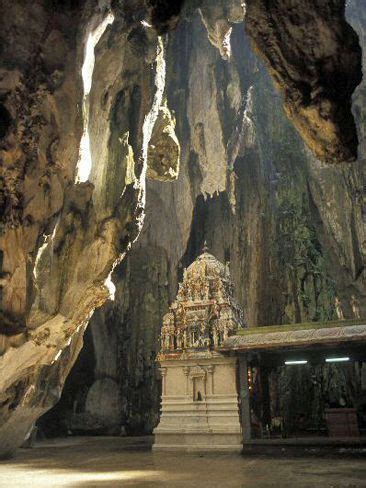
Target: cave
(5, 121)
(182, 242)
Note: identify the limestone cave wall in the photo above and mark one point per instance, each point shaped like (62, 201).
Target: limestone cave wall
(81, 88)
(292, 227)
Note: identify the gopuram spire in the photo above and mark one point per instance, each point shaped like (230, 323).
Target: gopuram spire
(205, 312)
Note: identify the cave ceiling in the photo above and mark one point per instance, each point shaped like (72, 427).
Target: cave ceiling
(312, 54)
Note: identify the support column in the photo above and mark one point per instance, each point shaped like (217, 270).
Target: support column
(163, 372)
(244, 397)
(186, 374)
(266, 399)
(211, 388)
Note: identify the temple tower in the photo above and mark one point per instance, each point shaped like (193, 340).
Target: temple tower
(199, 386)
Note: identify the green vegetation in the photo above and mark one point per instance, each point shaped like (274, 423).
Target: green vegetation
(311, 292)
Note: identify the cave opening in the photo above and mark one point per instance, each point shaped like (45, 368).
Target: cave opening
(236, 222)
(5, 120)
(181, 182)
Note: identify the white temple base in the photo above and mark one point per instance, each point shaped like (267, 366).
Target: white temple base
(199, 404)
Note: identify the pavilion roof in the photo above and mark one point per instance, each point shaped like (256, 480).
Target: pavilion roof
(297, 335)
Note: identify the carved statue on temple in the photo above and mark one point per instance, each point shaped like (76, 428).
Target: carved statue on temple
(338, 308)
(179, 339)
(355, 306)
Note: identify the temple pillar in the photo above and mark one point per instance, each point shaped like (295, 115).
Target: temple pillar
(244, 397)
(163, 377)
(211, 387)
(266, 399)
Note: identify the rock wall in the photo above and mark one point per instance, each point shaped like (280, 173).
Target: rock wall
(80, 89)
(293, 228)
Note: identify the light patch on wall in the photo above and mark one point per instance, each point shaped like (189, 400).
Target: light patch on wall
(41, 250)
(58, 355)
(110, 286)
(85, 162)
(244, 133)
(145, 23)
(226, 46)
(151, 117)
(39, 255)
(248, 126)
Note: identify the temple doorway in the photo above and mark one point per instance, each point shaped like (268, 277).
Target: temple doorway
(308, 400)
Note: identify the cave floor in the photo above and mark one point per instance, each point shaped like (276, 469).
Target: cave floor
(88, 462)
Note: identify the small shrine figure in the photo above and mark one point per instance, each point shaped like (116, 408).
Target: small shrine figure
(225, 331)
(166, 339)
(171, 337)
(192, 339)
(179, 339)
(215, 336)
(185, 341)
(207, 291)
(338, 308)
(202, 328)
(216, 310)
(207, 342)
(203, 290)
(355, 306)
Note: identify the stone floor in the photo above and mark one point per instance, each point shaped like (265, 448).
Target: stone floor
(122, 462)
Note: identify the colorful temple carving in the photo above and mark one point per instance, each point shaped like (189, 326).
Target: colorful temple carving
(205, 312)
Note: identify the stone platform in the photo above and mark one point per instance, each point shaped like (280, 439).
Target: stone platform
(205, 417)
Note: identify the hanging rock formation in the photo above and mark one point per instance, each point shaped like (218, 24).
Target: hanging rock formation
(316, 78)
(164, 149)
